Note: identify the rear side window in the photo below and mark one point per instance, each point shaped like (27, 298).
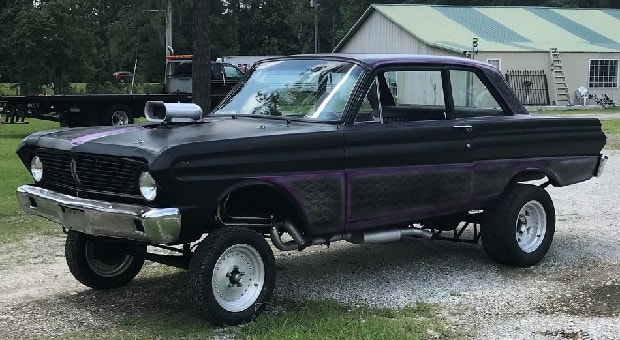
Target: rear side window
(471, 97)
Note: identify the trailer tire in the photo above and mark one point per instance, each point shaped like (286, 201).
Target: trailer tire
(519, 229)
(70, 119)
(117, 114)
(232, 275)
(102, 262)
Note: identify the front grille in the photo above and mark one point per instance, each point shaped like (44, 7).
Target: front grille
(90, 176)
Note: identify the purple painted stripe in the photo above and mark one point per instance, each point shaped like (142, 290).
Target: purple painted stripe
(560, 169)
(284, 182)
(93, 136)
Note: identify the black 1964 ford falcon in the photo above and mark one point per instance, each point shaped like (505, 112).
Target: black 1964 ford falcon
(308, 150)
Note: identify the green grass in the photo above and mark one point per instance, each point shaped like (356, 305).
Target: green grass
(14, 225)
(577, 111)
(330, 320)
(293, 320)
(8, 89)
(12, 89)
(612, 130)
(611, 126)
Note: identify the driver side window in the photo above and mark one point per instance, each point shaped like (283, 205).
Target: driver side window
(397, 96)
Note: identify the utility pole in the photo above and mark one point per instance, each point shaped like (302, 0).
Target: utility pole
(315, 4)
(168, 46)
(333, 31)
(201, 63)
(168, 30)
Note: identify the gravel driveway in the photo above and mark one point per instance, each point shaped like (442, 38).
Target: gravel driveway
(574, 293)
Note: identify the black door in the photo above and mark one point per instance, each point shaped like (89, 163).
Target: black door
(401, 171)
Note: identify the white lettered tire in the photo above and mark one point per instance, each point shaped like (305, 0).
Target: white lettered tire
(232, 275)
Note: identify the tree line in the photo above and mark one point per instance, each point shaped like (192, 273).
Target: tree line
(62, 41)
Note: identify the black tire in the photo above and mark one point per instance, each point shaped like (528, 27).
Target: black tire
(226, 281)
(116, 115)
(519, 229)
(70, 120)
(101, 262)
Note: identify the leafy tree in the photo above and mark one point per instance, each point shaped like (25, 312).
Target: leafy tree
(62, 41)
(49, 43)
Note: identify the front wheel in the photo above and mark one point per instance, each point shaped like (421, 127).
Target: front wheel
(232, 275)
(101, 262)
(518, 231)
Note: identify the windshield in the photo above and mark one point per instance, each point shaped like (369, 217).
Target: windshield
(307, 89)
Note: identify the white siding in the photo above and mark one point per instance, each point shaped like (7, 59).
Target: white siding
(577, 70)
(380, 35)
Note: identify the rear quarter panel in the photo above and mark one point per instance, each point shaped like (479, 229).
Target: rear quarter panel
(565, 149)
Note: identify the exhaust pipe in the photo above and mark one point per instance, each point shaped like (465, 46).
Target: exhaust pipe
(300, 243)
(388, 235)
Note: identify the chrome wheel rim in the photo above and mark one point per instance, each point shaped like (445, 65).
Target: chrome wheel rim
(120, 118)
(238, 278)
(531, 226)
(110, 266)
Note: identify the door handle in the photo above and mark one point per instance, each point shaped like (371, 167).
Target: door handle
(465, 127)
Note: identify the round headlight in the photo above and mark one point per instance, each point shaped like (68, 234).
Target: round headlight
(36, 168)
(148, 187)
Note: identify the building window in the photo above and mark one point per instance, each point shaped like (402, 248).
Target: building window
(603, 73)
(392, 82)
(495, 62)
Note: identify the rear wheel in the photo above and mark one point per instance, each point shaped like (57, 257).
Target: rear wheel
(232, 275)
(518, 231)
(101, 262)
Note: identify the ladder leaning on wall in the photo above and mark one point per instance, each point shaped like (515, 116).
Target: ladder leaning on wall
(562, 97)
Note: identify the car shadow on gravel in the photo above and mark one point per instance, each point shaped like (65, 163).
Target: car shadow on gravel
(160, 293)
(391, 275)
(384, 275)
(397, 274)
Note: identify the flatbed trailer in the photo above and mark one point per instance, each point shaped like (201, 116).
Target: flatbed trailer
(119, 109)
(85, 110)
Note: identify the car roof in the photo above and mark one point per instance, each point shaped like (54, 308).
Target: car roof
(380, 59)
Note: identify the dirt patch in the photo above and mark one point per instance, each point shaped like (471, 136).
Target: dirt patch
(587, 292)
(52, 304)
(563, 334)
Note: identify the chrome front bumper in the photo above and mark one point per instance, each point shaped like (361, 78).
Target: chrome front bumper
(93, 217)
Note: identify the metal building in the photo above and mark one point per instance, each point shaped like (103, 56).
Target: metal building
(537, 48)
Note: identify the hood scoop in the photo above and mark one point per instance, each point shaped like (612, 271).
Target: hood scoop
(160, 112)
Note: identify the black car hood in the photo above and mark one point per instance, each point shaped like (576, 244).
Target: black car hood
(149, 141)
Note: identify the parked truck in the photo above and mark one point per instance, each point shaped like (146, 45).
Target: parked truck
(120, 109)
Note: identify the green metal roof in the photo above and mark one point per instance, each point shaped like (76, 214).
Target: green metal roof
(504, 29)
